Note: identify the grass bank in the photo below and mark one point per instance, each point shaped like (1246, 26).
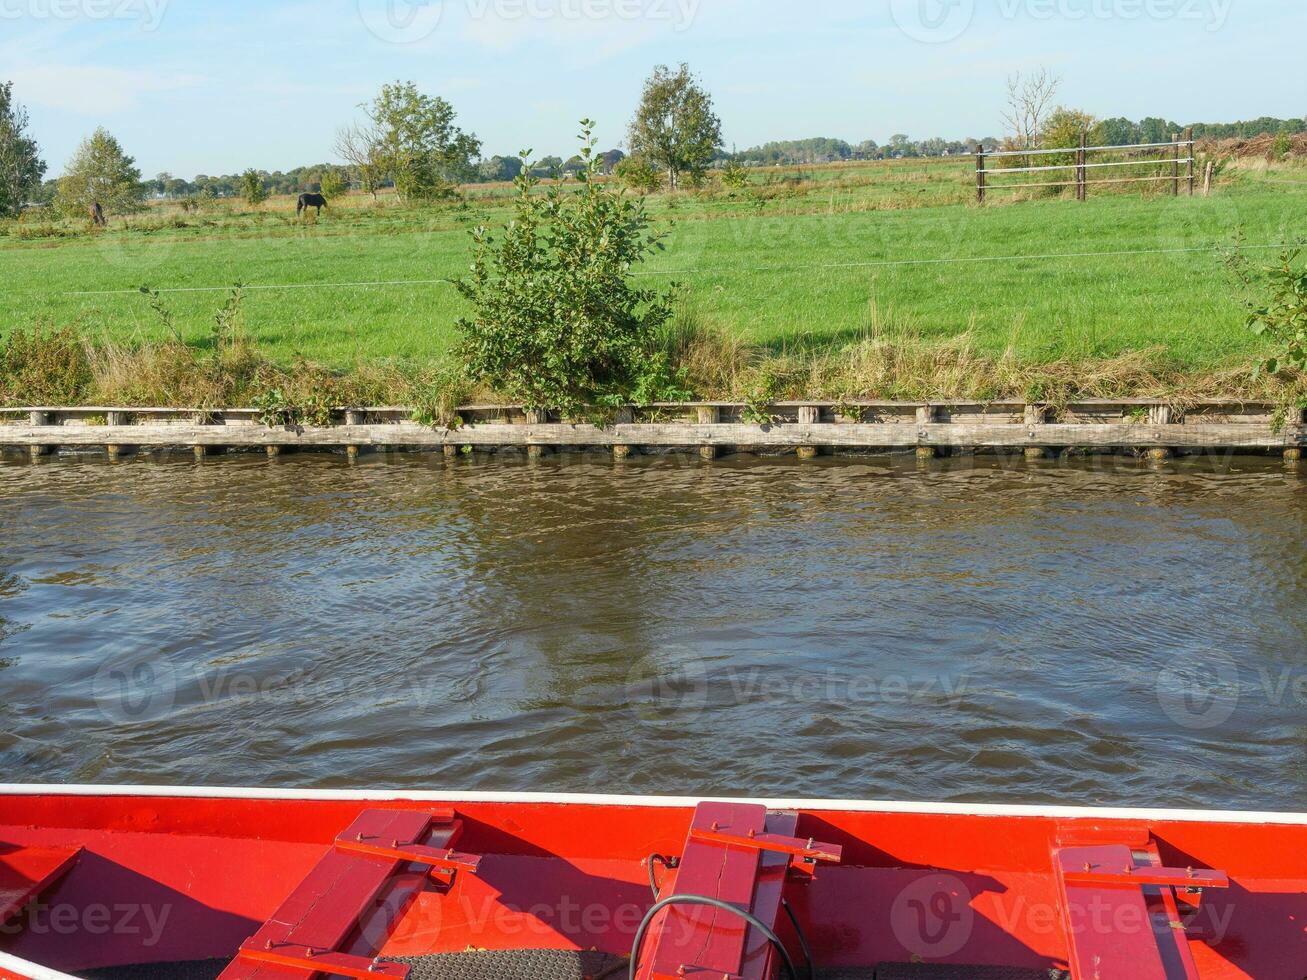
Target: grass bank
(873, 281)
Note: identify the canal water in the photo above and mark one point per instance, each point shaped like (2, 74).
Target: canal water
(1101, 632)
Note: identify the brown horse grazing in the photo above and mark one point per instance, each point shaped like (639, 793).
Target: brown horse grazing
(310, 201)
(97, 215)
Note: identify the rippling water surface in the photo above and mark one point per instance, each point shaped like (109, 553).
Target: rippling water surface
(1100, 633)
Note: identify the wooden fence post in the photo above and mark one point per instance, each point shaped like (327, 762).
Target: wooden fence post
(1295, 431)
(113, 450)
(1208, 172)
(1035, 415)
(353, 417)
(1175, 164)
(926, 414)
(1193, 156)
(1159, 415)
(41, 418)
(708, 415)
(809, 415)
(980, 175)
(625, 416)
(199, 449)
(1082, 174)
(533, 450)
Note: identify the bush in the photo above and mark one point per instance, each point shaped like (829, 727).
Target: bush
(253, 189)
(735, 175)
(333, 184)
(557, 324)
(44, 367)
(1283, 320)
(639, 175)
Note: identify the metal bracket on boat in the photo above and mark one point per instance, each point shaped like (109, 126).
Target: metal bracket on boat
(361, 838)
(322, 961)
(1120, 909)
(803, 854)
(1188, 880)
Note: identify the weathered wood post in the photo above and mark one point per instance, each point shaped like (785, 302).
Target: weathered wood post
(1082, 173)
(625, 416)
(926, 415)
(114, 420)
(199, 449)
(1193, 158)
(1296, 431)
(1208, 172)
(354, 417)
(1159, 415)
(708, 415)
(809, 415)
(536, 417)
(1175, 164)
(1035, 416)
(41, 418)
(980, 174)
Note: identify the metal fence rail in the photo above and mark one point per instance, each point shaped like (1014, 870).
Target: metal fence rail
(1178, 153)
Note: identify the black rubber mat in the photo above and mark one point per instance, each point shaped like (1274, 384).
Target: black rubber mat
(190, 970)
(936, 971)
(526, 964)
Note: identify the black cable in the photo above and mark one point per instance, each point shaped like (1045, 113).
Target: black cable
(715, 903)
(666, 862)
(803, 940)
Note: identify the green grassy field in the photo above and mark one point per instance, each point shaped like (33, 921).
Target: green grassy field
(804, 259)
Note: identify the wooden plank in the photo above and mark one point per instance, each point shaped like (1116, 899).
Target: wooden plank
(329, 905)
(680, 435)
(26, 872)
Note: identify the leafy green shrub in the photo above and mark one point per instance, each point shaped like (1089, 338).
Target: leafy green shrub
(44, 367)
(1283, 320)
(557, 323)
(735, 175)
(253, 188)
(332, 184)
(639, 175)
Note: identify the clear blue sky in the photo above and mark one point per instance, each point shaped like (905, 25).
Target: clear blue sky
(215, 86)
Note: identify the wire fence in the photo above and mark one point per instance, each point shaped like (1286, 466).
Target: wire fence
(1145, 158)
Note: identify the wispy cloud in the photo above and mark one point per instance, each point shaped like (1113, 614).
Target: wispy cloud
(94, 91)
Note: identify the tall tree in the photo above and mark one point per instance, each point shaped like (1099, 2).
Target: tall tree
(100, 172)
(675, 127)
(361, 149)
(1029, 99)
(21, 166)
(414, 137)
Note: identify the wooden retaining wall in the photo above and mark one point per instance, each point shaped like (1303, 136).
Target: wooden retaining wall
(709, 427)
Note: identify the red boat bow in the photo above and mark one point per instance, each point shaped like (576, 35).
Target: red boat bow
(123, 884)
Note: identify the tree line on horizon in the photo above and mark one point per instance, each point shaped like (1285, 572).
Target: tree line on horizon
(409, 142)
